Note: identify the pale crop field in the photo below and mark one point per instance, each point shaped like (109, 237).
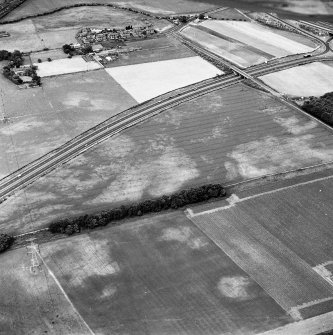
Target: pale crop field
(64, 66)
(258, 36)
(230, 135)
(146, 81)
(23, 37)
(46, 117)
(313, 79)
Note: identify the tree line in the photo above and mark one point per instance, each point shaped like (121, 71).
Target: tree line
(180, 199)
(321, 108)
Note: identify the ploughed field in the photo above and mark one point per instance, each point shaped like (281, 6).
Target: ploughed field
(227, 136)
(243, 43)
(283, 240)
(153, 276)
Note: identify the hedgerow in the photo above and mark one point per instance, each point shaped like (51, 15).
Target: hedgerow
(70, 226)
(5, 242)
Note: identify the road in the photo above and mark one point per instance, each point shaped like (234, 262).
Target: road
(71, 149)
(31, 172)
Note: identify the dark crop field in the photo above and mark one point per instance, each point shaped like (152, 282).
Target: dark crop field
(159, 276)
(301, 217)
(278, 238)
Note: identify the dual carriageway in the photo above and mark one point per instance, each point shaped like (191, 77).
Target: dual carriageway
(43, 165)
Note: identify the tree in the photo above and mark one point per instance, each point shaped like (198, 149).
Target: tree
(39, 60)
(67, 48)
(49, 59)
(183, 19)
(5, 242)
(201, 16)
(87, 49)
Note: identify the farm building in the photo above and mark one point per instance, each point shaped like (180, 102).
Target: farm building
(97, 47)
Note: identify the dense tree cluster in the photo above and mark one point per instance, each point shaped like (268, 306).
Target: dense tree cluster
(15, 59)
(5, 242)
(68, 49)
(174, 201)
(321, 108)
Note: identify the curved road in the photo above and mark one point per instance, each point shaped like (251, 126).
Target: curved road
(32, 171)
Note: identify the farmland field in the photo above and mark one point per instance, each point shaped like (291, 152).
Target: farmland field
(227, 136)
(240, 232)
(32, 303)
(246, 43)
(187, 6)
(313, 79)
(43, 118)
(289, 227)
(98, 17)
(228, 14)
(66, 65)
(159, 276)
(153, 50)
(232, 50)
(31, 7)
(148, 80)
(257, 36)
(304, 225)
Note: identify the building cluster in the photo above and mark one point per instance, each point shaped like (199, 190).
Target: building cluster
(26, 73)
(95, 35)
(107, 56)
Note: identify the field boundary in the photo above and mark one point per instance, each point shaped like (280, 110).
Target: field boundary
(63, 292)
(234, 199)
(312, 326)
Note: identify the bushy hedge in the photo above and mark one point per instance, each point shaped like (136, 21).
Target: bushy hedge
(176, 200)
(321, 108)
(5, 242)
